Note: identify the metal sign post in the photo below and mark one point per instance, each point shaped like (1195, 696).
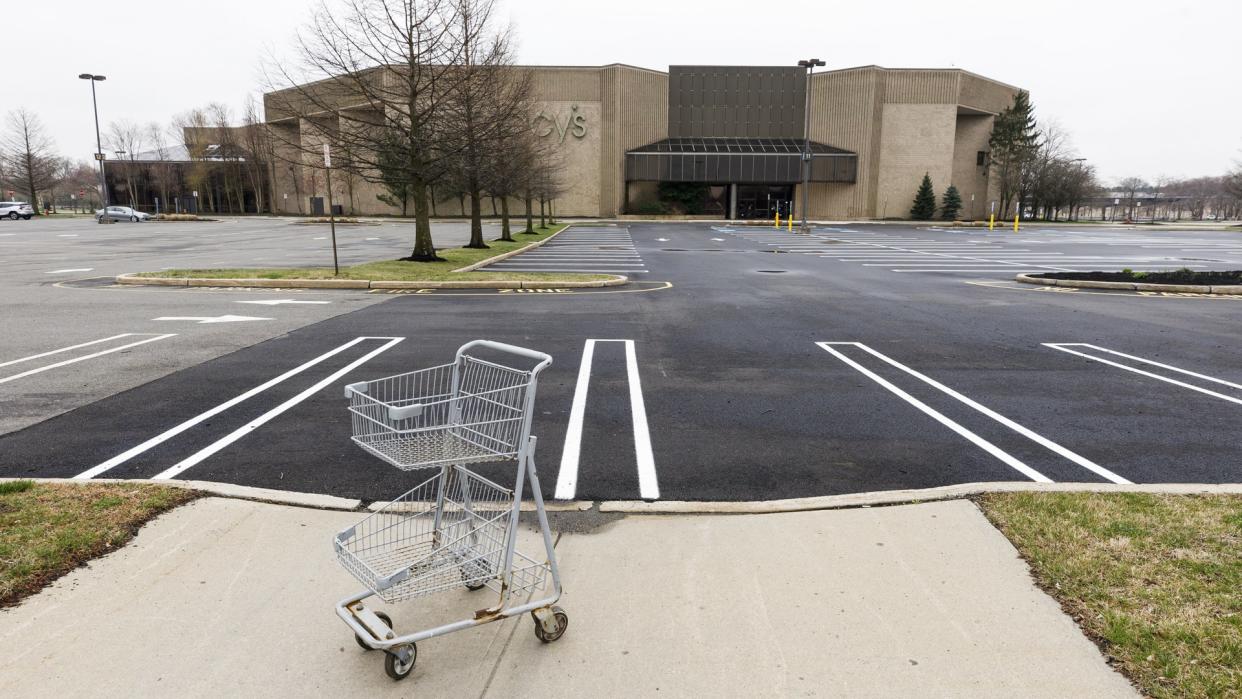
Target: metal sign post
(327, 166)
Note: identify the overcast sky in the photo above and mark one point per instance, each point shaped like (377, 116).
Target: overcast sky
(1145, 88)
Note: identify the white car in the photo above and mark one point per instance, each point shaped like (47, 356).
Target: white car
(16, 209)
(121, 213)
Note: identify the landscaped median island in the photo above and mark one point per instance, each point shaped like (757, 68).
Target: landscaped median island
(1179, 280)
(1156, 580)
(48, 529)
(401, 271)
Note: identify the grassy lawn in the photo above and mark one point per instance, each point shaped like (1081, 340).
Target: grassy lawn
(1155, 579)
(395, 270)
(48, 529)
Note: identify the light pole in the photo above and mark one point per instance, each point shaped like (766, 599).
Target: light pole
(103, 185)
(810, 65)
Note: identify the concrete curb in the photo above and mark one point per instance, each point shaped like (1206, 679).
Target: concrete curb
(1231, 289)
(527, 506)
(899, 497)
(511, 253)
(133, 280)
(226, 490)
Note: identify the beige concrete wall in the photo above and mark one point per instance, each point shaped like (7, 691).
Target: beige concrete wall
(916, 139)
(971, 136)
(845, 112)
(571, 130)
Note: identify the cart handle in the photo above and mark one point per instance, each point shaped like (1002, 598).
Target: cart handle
(405, 412)
(543, 359)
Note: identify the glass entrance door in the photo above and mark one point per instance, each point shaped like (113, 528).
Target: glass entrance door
(763, 201)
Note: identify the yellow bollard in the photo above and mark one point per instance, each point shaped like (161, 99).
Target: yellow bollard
(1015, 223)
(991, 222)
(778, 219)
(789, 223)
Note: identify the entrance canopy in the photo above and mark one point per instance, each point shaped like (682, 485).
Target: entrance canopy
(737, 160)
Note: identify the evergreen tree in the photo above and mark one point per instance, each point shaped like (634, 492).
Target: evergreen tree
(951, 204)
(924, 208)
(1013, 143)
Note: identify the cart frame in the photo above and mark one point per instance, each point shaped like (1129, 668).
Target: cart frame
(374, 630)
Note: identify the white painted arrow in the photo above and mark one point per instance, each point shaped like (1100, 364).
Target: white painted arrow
(212, 319)
(277, 302)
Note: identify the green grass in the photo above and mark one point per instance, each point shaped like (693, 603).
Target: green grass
(48, 529)
(396, 270)
(1155, 579)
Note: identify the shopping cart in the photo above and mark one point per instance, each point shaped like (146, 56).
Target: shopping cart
(457, 528)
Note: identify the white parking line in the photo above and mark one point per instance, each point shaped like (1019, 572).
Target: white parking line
(567, 478)
(648, 487)
(173, 432)
(66, 271)
(1064, 345)
(1033, 436)
(65, 349)
(75, 360)
(937, 415)
(270, 415)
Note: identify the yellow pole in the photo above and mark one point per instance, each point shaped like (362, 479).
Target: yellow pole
(789, 223)
(991, 222)
(778, 219)
(1015, 223)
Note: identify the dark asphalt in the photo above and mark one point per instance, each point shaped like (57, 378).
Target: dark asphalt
(741, 402)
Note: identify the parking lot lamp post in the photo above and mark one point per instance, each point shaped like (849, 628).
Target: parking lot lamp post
(810, 65)
(103, 185)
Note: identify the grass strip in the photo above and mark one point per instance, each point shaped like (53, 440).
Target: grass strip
(48, 529)
(401, 271)
(1155, 580)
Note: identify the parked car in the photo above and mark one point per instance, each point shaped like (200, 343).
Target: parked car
(121, 213)
(16, 209)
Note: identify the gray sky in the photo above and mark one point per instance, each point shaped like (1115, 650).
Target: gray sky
(1145, 88)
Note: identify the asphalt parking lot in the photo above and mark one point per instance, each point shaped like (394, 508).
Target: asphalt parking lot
(744, 363)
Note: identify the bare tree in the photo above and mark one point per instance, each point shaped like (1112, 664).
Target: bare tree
(29, 159)
(489, 101)
(510, 171)
(1131, 186)
(382, 78)
(125, 139)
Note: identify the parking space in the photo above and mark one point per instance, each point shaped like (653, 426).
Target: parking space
(978, 251)
(594, 248)
(742, 376)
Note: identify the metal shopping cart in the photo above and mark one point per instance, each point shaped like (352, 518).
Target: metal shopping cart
(456, 528)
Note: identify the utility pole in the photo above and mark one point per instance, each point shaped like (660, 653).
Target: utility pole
(810, 65)
(99, 154)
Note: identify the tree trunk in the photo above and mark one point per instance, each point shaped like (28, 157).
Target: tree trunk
(476, 216)
(543, 217)
(530, 217)
(494, 214)
(424, 249)
(505, 233)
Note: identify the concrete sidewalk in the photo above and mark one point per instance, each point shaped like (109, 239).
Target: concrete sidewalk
(233, 598)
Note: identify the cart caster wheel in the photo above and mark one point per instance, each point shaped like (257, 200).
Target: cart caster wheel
(471, 585)
(383, 617)
(562, 622)
(393, 664)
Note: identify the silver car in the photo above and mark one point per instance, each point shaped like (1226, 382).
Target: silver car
(121, 213)
(15, 210)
